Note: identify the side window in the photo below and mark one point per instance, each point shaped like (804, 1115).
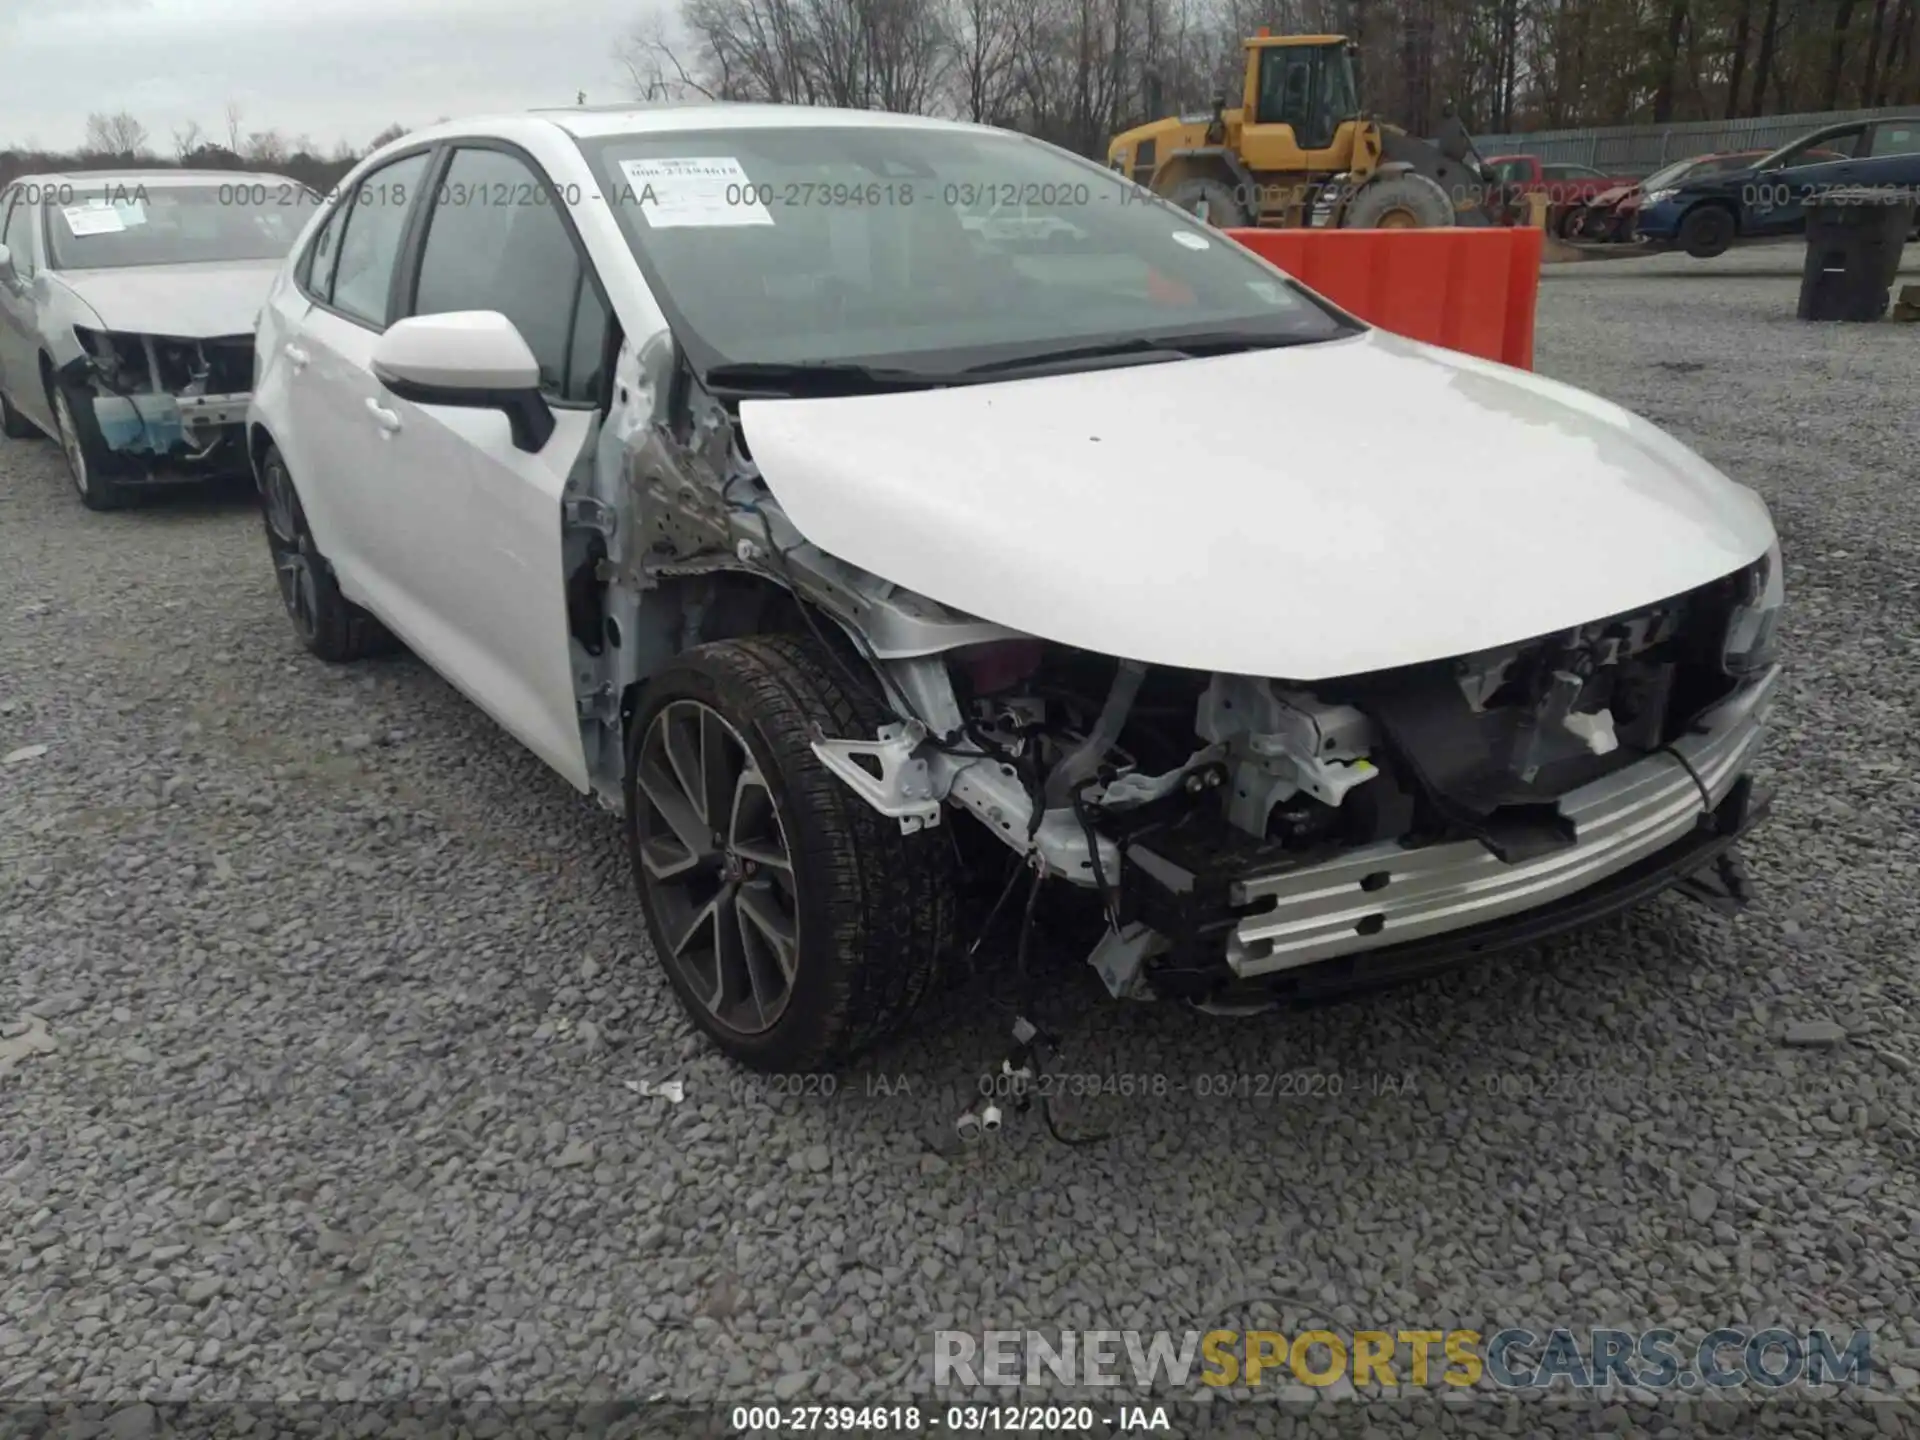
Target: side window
(370, 238)
(1286, 79)
(316, 266)
(1897, 137)
(496, 242)
(587, 352)
(17, 218)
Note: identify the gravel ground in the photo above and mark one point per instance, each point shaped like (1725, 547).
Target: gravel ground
(350, 1023)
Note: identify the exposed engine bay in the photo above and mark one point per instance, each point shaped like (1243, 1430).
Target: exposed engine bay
(181, 400)
(1231, 827)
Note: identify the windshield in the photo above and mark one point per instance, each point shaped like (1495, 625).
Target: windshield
(922, 248)
(129, 223)
(1669, 176)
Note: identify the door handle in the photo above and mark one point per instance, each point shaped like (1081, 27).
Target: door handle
(296, 355)
(386, 419)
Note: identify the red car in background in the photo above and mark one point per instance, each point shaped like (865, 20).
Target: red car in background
(1609, 216)
(1567, 187)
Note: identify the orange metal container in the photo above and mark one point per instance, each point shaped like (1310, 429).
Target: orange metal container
(1467, 289)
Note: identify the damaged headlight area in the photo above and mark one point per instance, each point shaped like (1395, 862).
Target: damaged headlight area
(1752, 644)
(181, 399)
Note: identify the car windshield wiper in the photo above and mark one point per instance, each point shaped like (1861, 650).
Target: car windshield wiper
(789, 377)
(1205, 342)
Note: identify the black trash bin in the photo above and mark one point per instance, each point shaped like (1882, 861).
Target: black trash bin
(1854, 240)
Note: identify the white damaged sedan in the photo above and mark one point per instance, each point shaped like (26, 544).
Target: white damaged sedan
(128, 300)
(869, 557)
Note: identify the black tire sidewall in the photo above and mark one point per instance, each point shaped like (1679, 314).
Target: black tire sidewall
(342, 631)
(1224, 212)
(797, 1039)
(106, 469)
(1706, 232)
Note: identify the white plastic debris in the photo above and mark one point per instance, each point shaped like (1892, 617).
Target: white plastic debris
(34, 1040)
(670, 1090)
(25, 752)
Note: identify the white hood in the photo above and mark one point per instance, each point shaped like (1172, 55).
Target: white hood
(1299, 513)
(195, 302)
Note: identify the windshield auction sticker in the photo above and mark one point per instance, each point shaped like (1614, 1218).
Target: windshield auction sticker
(93, 219)
(704, 191)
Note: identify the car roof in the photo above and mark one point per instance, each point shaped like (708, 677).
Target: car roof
(89, 179)
(588, 122)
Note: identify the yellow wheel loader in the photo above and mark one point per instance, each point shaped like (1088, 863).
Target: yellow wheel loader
(1298, 150)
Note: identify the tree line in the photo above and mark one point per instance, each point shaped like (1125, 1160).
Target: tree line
(1076, 71)
(120, 141)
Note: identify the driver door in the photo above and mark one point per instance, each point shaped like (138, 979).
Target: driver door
(1781, 195)
(19, 332)
(473, 530)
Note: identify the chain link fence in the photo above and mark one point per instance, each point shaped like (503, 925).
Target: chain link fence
(1642, 149)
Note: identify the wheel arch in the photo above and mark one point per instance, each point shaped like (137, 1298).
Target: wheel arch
(725, 604)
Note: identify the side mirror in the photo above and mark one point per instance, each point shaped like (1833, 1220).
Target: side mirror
(470, 359)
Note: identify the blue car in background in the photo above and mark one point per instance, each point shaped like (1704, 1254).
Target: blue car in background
(1705, 215)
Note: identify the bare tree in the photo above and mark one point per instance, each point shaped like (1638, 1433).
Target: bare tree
(115, 134)
(386, 137)
(234, 116)
(266, 147)
(654, 64)
(187, 138)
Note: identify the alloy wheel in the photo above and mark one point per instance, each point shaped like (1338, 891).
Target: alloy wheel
(293, 568)
(716, 866)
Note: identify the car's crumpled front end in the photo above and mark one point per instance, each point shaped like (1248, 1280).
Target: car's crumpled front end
(1245, 833)
(181, 400)
(1296, 714)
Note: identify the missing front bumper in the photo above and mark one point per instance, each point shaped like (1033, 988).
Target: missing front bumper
(178, 427)
(1642, 828)
(1702, 864)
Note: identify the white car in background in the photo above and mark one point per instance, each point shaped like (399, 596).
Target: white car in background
(128, 300)
(863, 555)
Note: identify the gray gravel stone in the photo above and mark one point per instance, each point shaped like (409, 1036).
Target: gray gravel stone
(1815, 1033)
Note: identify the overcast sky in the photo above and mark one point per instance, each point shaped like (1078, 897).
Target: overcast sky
(333, 69)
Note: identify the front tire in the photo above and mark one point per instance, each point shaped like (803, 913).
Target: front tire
(1707, 231)
(328, 624)
(98, 473)
(797, 925)
(1211, 200)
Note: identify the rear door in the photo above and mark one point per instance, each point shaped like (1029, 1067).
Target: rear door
(475, 524)
(1892, 160)
(340, 458)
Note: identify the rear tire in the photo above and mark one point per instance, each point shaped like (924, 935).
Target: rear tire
(1399, 202)
(1223, 209)
(797, 925)
(1707, 231)
(328, 624)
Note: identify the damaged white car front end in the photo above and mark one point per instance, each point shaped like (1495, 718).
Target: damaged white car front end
(1314, 727)
(130, 301)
